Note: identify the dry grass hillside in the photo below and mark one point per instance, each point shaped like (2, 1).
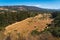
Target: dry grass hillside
(22, 30)
(3, 9)
(38, 22)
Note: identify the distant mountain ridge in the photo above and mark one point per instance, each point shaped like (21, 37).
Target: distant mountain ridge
(27, 8)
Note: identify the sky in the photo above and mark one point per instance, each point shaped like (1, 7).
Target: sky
(50, 4)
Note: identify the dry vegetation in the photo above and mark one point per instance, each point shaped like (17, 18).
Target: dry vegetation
(29, 23)
(22, 30)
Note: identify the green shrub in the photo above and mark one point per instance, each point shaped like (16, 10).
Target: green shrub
(54, 28)
(35, 32)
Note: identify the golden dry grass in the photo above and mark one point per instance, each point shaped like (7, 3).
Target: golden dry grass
(29, 24)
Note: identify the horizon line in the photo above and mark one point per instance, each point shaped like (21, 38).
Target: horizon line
(31, 5)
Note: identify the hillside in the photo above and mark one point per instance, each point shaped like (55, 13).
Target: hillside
(29, 23)
(25, 27)
(12, 14)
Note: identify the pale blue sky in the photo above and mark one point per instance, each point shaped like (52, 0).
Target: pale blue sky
(51, 4)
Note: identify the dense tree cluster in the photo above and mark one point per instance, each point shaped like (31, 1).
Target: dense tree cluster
(55, 26)
(7, 17)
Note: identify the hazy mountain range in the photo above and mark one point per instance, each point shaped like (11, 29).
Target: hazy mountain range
(27, 8)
